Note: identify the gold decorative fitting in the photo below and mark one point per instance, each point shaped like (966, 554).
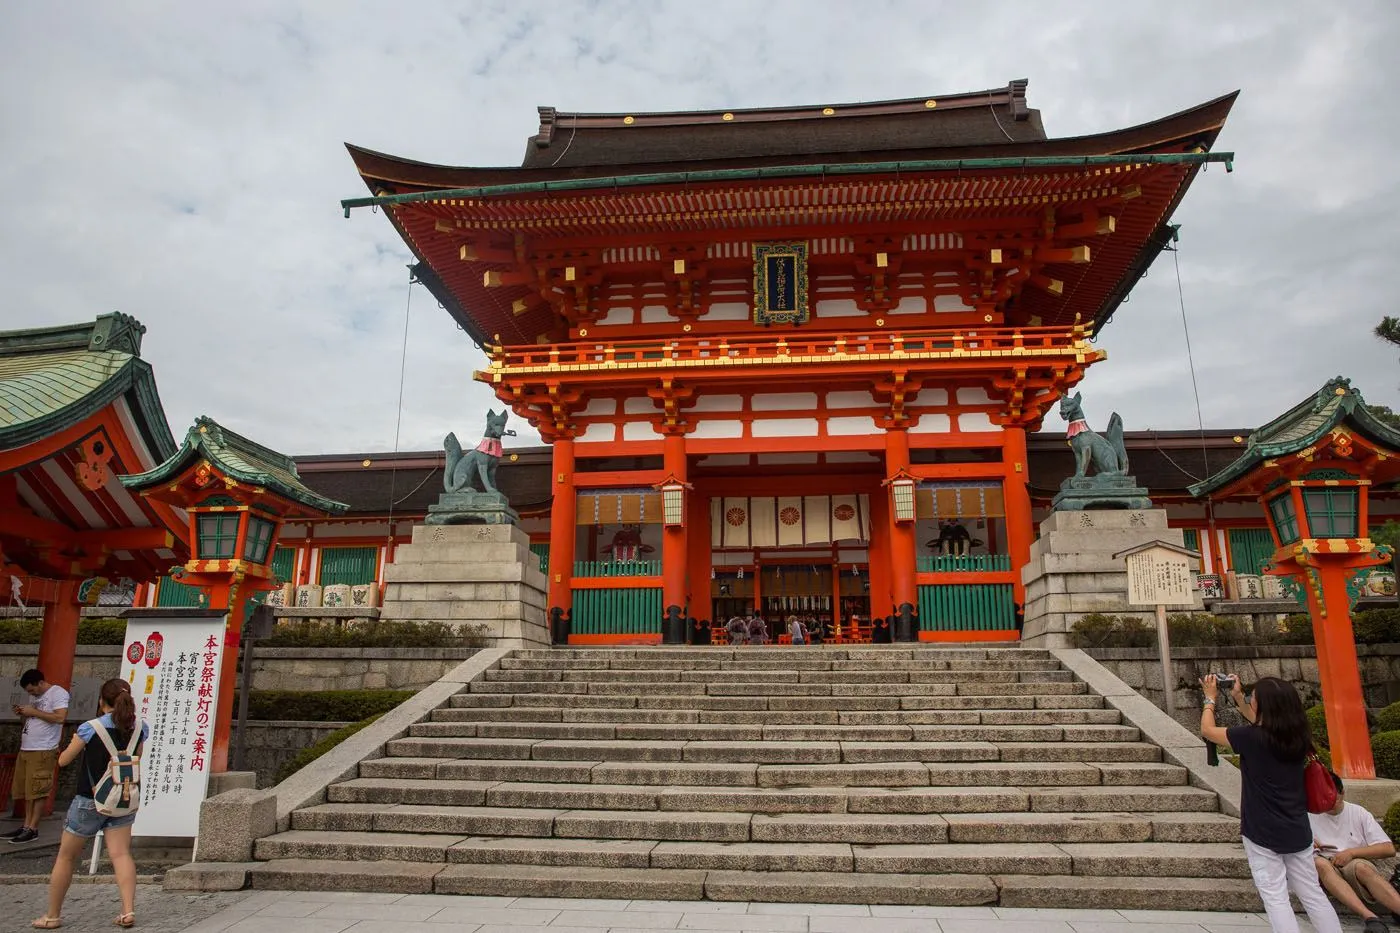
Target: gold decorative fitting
(1237, 439)
(203, 429)
(987, 318)
(583, 331)
(364, 463)
(1339, 391)
(727, 117)
(828, 111)
(629, 120)
(514, 457)
(686, 328)
(930, 104)
(879, 322)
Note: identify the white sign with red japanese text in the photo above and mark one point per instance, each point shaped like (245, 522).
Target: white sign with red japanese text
(171, 659)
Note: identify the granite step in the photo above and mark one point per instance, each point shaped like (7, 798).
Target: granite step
(1088, 892)
(426, 819)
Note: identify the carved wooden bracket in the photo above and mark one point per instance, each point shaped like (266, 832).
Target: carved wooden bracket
(894, 392)
(670, 396)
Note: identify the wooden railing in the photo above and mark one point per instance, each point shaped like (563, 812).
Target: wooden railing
(618, 568)
(965, 563)
(791, 347)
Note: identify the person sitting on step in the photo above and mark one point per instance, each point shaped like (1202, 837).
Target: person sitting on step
(1354, 860)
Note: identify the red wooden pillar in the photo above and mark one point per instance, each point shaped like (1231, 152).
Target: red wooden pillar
(1342, 698)
(674, 537)
(58, 642)
(881, 602)
(697, 518)
(903, 587)
(562, 527)
(1016, 495)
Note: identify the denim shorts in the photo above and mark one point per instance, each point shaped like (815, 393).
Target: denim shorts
(84, 820)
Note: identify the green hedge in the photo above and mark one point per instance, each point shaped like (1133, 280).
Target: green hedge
(1388, 719)
(90, 631)
(1385, 747)
(1317, 724)
(1391, 824)
(308, 755)
(1202, 630)
(373, 634)
(322, 705)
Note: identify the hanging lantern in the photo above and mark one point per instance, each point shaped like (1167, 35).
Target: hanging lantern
(902, 498)
(673, 502)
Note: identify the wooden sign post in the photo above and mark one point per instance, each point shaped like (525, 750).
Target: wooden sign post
(1159, 575)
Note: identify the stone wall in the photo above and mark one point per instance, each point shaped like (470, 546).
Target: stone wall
(271, 743)
(1141, 669)
(278, 668)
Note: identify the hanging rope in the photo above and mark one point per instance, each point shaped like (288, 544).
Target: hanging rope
(1196, 389)
(398, 420)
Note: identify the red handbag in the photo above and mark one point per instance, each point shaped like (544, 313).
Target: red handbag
(1317, 780)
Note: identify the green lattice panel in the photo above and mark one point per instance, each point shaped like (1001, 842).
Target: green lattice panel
(352, 565)
(284, 562)
(618, 568)
(965, 563)
(975, 607)
(1250, 549)
(633, 611)
(541, 551)
(175, 595)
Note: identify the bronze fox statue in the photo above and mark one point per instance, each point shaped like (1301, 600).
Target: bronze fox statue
(478, 467)
(1106, 452)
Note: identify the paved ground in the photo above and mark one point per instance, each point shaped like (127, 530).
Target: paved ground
(92, 907)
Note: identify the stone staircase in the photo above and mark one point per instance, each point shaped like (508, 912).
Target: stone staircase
(900, 775)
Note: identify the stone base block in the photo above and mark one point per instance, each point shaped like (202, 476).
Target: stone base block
(209, 876)
(1375, 795)
(231, 822)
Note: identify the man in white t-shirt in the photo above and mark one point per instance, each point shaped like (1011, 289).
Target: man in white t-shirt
(1354, 859)
(38, 749)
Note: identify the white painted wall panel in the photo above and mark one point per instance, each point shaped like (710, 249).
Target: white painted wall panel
(785, 427)
(784, 401)
(932, 424)
(639, 406)
(838, 307)
(616, 316)
(600, 406)
(657, 314)
(727, 311)
(929, 397)
(718, 403)
(709, 430)
(950, 303)
(975, 421)
(599, 432)
(973, 395)
(910, 304)
(638, 431)
(850, 399)
(864, 424)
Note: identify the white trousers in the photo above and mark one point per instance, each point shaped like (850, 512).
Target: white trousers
(1275, 874)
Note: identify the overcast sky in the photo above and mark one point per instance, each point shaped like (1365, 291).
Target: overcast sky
(182, 162)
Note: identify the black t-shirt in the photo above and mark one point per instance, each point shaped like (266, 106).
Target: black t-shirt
(95, 757)
(1273, 802)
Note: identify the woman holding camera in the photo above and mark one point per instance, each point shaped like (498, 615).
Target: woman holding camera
(1278, 840)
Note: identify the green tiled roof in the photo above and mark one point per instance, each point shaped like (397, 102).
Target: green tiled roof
(54, 377)
(1302, 426)
(240, 458)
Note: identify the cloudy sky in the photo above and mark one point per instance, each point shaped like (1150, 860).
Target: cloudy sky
(183, 163)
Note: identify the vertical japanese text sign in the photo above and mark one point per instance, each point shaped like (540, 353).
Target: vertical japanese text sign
(1159, 577)
(171, 659)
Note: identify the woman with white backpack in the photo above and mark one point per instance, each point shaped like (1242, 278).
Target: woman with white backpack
(108, 750)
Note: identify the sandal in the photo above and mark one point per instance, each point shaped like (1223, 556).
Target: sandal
(126, 921)
(47, 923)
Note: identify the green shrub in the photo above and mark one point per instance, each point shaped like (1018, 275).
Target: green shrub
(1317, 724)
(1391, 824)
(1297, 630)
(1094, 630)
(308, 755)
(323, 705)
(1388, 719)
(373, 634)
(1385, 748)
(1133, 632)
(1376, 626)
(90, 631)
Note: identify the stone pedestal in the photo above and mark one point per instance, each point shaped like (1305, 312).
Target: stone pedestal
(1100, 492)
(480, 577)
(1072, 572)
(470, 507)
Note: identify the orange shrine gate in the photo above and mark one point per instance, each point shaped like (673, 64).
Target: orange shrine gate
(787, 358)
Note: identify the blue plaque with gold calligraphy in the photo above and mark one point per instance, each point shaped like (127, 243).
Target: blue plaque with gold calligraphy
(780, 283)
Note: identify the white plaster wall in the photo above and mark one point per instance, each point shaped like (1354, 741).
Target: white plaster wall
(785, 427)
(860, 424)
(718, 403)
(599, 432)
(850, 399)
(784, 401)
(975, 421)
(657, 314)
(950, 303)
(932, 423)
(838, 307)
(616, 316)
(910, 304)
(931, 397)
(600, 406)
(639, 406)
(727, 311)
(638, 431)
(973, 395)
(709, 430)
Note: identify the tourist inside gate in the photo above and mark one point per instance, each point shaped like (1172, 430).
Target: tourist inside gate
(1273, 747)
(1355, 860)
(108, 750)
(738, 630)
(758, 630)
